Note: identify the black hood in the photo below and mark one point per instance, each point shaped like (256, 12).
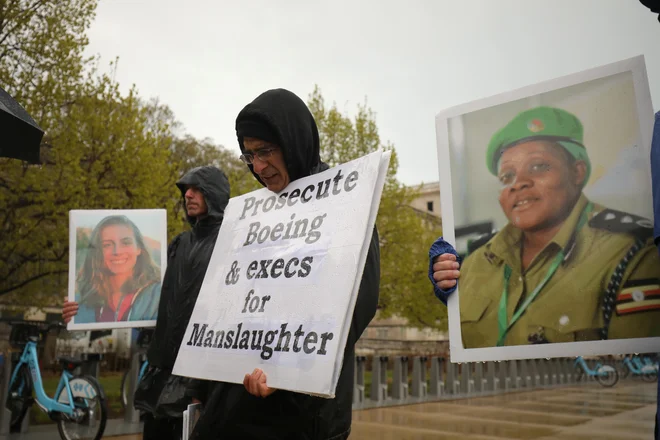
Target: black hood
(214, 185)
(292, 124)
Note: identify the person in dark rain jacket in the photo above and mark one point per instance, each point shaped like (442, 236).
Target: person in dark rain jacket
(279, 140)
(205, 191)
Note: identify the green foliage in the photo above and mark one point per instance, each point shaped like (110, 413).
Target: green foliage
(404, 236)
(41, 64)
(188, 152)
(101, 150)
(100, 155)
(41, 47)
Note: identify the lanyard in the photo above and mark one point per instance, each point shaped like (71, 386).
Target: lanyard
(503, 326)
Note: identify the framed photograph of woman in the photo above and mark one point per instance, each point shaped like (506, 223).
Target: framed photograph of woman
(116, 266)
(561, 172)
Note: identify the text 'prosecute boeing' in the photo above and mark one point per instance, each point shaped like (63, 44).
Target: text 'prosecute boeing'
(299, 228)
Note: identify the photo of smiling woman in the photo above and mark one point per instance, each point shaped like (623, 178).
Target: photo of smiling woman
(117, 279)
(563, 268)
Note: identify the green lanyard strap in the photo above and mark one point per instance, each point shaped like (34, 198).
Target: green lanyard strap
(503, 326)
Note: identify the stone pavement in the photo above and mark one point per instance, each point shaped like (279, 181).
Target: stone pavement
(583, 412)
(626, 411)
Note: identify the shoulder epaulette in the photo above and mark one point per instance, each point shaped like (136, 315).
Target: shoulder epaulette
(478, 242)
(623, 223)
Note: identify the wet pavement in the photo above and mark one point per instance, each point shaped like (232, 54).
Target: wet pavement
(626, 411)
(584, 412)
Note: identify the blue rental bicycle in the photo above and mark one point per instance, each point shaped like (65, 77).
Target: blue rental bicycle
(645, 364)
(647, 371)
(124, 382)
(79, 406)
(143, 340)
(606, 375)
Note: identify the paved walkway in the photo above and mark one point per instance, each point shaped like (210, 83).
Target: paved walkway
(578, 413)
(626, 411)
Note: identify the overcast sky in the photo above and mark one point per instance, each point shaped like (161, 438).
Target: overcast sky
(410, 59)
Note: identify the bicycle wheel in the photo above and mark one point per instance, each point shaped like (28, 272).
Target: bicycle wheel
(624, 372)
(124, 389)
(91, 410)
(19, 397)
(650, 377)
(607, 376)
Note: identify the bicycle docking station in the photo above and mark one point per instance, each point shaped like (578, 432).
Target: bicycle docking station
(9, 362)
(91, 364)
(5, 414)
(131, 415)
(138, 358)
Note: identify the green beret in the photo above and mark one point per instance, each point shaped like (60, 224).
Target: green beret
(540, 123)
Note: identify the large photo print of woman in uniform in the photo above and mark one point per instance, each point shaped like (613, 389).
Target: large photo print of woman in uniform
(552, 212)
(116, 267)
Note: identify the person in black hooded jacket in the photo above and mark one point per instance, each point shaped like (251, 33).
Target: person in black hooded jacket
(205, 191)
(188, 258)
(280, 143)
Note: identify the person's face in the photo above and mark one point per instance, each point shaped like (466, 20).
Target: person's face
(120, 249)
(540, 184)
(195, 203)
(272, 169)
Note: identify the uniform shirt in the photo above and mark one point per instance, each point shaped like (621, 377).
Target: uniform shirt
(570, 306)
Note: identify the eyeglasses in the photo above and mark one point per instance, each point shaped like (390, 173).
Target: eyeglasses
(263, 155)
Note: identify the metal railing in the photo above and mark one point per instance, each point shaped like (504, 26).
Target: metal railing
(401, 380)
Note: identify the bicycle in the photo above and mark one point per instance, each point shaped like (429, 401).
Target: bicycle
(648, 361)
(645, 364)
(606, 375)
(652, 364)
(622, 368)
(143, 340)
(79, 401)
(648, 372)
(125, 383)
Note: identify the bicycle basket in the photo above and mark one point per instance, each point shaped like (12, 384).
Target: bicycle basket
(21, 333)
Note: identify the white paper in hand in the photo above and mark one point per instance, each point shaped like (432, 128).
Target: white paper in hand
(190, 417)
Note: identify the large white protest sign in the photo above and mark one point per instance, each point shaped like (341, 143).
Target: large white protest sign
(282, 282)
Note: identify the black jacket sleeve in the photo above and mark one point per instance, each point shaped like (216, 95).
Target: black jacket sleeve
(155, 350)
(198, 389)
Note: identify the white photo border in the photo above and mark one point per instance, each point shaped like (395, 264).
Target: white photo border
(131, 214)
(637, 67)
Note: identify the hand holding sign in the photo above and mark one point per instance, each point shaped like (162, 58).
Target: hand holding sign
(255, 384)
(445, 271)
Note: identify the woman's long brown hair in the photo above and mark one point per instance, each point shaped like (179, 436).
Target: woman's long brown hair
(92, 280)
